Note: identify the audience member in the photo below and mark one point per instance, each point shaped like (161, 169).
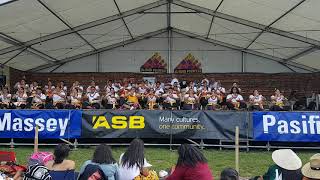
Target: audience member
(311, 170)
(256, 101)
(278, 101)
(287, 166)
(191, 165)
(103, 162)
(234, 100)
(229, 174)
(132, 163)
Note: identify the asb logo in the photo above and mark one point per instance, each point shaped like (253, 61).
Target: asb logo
(118, 122)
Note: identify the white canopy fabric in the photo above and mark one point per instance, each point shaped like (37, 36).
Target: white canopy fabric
(37, 34)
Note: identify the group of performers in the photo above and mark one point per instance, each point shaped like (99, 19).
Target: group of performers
(125, 94)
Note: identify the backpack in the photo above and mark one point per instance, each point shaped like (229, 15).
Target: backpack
(37, 172)
(40, 158)
(92, 172)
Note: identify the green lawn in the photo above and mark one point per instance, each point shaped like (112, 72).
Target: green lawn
(251, 164)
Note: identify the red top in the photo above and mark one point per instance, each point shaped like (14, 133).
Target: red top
(200, 172)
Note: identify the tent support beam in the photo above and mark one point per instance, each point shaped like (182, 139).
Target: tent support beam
(16, 43)
(79, 56)
(65, 23)
(16, 55)
(246, 22)
(212, 20)
(84, 26)
(277, 59)
(283, 15)
(124, 22)
(300, 54)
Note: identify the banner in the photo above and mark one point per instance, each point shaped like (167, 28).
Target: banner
(188, 65)
(286, 126)
(154, 64)
(51, 123)
(163, 124)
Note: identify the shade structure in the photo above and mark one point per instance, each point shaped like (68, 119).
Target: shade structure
(45, 34)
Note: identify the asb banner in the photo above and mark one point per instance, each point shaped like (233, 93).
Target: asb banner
(286, 126)
(51, 123)
(161, 124)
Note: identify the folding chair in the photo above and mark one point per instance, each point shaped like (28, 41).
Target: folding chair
(8, 156)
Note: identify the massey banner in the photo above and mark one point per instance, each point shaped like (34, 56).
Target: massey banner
(161, 124)
(51, 123)
(286, 126)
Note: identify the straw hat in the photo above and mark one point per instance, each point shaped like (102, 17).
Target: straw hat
(312, 168)
(286, 159)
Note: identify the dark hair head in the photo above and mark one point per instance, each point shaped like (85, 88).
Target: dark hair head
(237, 90)
(61, 152)
(134, 156)
(103, 155)
(190, 156)
(229, 174)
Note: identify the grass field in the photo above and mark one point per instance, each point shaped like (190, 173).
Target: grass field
(251, 164)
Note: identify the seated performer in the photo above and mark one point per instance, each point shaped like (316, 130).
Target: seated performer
(75, 98)
(111, 99)
(94, 98)
(170, 99)
(132, 100)
(256, 101)
(5, 98)
(21, 98)
(235, 100)
(213, 100)
(59, 98)
(277, 101)
(190, 101)
(39, 98)
(151, 100)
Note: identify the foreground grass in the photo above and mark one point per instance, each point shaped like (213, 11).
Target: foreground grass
(251, 164)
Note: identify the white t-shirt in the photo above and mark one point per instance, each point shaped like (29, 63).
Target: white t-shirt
(93, 96)
(39, 98)
(213, 100)
(256, 99)
(5, 98)
(126, 173)
(234, 98)
(58, 97)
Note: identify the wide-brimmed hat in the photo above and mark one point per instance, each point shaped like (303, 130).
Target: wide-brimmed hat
(286, 159)
(312, 168)
(146, 164)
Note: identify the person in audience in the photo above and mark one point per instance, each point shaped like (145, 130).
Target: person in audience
(62, 86)
(132, 100)
(287, 166)
(229, 174)
(132, 163)
(235, 100)
(93, 84)
(277, 101)
(60, 162)
(191, 164)
(151, 100)
(49, 103)
(235, 85)
(192, 87)
(103, 160)
(256, 101)
(34, 86)
(311, 170)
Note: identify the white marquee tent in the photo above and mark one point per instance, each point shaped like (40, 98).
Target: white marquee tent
(119, 35)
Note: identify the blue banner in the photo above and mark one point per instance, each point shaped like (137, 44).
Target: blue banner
(286, 126)
(51, 123)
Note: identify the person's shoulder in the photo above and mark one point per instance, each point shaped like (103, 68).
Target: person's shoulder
(70, 164)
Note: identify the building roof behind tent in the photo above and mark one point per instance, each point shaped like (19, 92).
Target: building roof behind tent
(53, 32)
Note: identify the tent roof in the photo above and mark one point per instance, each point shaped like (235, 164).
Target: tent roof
(37, 34)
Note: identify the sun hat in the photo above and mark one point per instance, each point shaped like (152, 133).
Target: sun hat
(146, 164)
(312, 168)
(286, 159)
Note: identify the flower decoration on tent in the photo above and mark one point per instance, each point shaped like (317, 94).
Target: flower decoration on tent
(188, 65)
(154, 64)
